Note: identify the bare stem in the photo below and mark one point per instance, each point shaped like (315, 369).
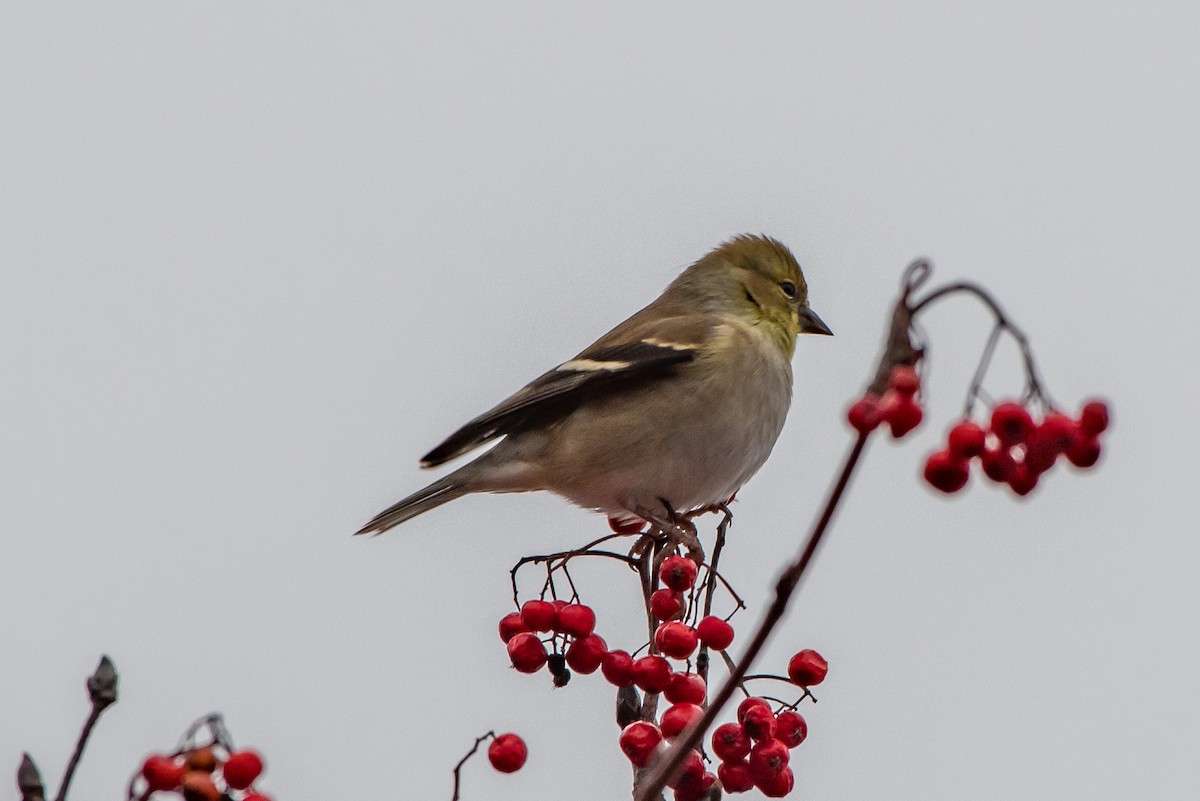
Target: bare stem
(649, 558)
(102, 687)
(562, 557)
(458, 768)
(710, 586)
(980, 371)
(75, 757)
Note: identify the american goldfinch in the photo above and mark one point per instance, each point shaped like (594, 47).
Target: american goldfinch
(671, 411)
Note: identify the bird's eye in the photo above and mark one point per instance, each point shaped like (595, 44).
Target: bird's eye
(788, 288)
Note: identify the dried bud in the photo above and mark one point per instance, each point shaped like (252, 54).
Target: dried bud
(102, 685)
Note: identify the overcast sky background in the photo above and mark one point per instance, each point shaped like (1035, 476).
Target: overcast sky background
(259, 258)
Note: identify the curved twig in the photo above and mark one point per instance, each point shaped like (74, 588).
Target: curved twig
(458, 768)
(1035, 388)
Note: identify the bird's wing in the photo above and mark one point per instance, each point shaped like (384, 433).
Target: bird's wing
(644, 348)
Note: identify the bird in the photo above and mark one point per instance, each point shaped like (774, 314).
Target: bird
(672, 411)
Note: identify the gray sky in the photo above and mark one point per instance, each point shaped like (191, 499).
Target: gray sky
(259, 258)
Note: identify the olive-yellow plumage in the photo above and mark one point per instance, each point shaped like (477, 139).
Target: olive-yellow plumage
(673, 410)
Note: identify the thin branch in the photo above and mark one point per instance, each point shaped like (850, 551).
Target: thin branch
(981, 370)
(731, 667)
(648, 568)
(771, 676)
(565, 556)
(793, 705)
(102, 687)
(458, 768)
(215, 722)
(710, 585)
(1034, 385)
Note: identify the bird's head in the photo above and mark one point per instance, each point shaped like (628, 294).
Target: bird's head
(758, 278)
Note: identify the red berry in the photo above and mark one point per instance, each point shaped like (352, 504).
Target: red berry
(678, 573)
(904, 380)
(730, 742)
(1023, 479)
(676, 639)
(1053, 436)
(807, 668)
(1011, 423)
(863, 414)
(577, 620)
(539, 615)
(998, 465)
(626, 525)
(686, 688)
(759, 723)
(678, 717)
(527, 652)
(747, 704)
(199, 786)
(255, 797)
(638, 741)
(666, 604)
(652, 673)
(768, 758)
(688, 773)
(695, 787)
(586, 654)
(163, 772)
(735, 776)
(900, 412)
(1039, 455)
(790, 728)
(203, 759)
(946, 472)
(617, 667)
(511, 625)
(778, 785)
(966, 440)
(1058, 432)
(507, 753)
(241, 769)
(1085, 452)
(715, 633)
(1093, 418)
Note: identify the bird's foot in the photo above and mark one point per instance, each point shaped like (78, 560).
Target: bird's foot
(672, 531)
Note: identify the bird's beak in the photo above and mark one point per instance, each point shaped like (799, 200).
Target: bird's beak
(810, 323)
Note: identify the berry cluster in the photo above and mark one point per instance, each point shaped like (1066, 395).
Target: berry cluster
(754, 751)
(898, 407)
(573, 645)
(207, 773)
(1016, 449)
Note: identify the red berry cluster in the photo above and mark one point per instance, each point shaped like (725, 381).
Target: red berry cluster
(570, 625)
(898, 407)
(754, 752)
(201, 774)
(1016, 449)
(574, 645)
(507, 753)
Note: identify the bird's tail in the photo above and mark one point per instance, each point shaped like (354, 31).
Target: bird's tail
(439, 492)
